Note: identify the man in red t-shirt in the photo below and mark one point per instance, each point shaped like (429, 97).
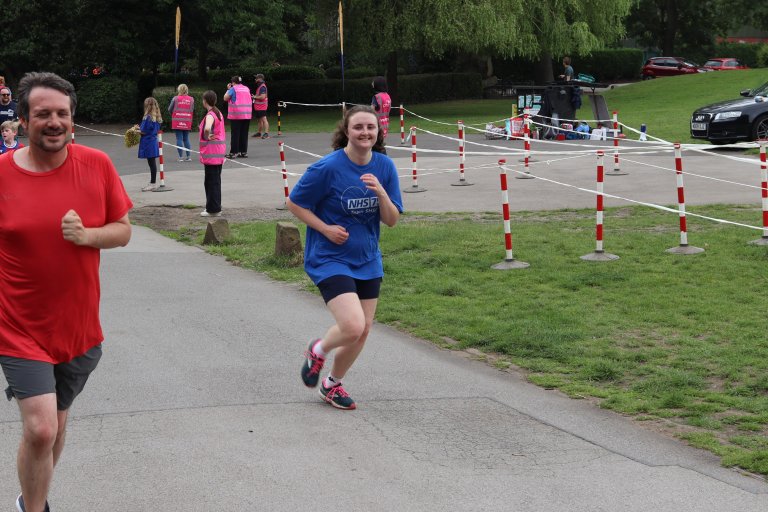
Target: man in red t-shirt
(60, 204)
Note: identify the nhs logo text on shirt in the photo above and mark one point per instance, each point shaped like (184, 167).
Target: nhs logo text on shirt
(362, 203)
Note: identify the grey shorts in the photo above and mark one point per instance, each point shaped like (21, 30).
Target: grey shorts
(27, 378)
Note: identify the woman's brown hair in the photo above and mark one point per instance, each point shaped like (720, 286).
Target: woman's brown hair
(340, 138)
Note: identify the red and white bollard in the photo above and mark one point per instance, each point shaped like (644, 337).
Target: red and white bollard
(462, 180)
(683, 248)
(402, 125)
(72, 140)
(162, 187)
(285, 176)
(415, 186)
(509, 260)
(616, 168)
(764, 193)
(526, 150)
(599, 254)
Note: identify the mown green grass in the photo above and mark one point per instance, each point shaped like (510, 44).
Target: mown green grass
(679, 340)
(664, 105)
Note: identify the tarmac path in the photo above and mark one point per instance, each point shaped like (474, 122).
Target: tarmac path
(197, 403)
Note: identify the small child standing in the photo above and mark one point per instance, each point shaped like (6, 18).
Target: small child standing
(148, 146)
(9, 130)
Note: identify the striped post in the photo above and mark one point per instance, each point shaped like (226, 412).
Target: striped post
(415, 186)
(527, 150)
(402, 125)
(683, 248)
(72, 140)
(284, 206)
(462, 180)
(280, 105)
(764, 193)
(599, 254)
(509, 259)
(162, 187)
(616, 168)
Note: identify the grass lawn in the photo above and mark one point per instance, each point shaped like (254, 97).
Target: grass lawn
(675, 340)
(664, 105)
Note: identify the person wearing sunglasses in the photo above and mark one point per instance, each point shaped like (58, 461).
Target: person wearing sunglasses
(8, 107)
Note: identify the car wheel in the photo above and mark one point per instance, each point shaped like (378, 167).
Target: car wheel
(760, 128)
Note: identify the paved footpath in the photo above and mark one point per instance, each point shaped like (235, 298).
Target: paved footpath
(197, 406)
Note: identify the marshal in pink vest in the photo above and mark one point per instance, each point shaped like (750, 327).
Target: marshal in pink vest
(181, 117)
(212, 151)
(241, 107)
(261, 104)
(385, 105)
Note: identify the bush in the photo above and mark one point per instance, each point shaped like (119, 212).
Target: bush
(412, 89)
(762, 56)
(613, 64)
(293, 73)
(108, 100)
(746, 53)
(351, 74)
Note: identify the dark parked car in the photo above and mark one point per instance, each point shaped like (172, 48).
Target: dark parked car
(669, 66)
(730, 121)
(723, 63)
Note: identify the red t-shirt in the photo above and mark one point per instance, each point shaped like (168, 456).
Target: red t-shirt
(49, 287)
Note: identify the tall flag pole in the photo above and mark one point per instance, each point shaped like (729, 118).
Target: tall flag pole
(341, 38)
(178, 33)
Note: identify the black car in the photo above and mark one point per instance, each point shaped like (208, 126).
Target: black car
(734, 120)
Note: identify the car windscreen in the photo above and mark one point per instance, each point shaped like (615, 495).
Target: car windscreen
(760, 91)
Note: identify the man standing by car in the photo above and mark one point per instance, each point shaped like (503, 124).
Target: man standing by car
(60, 204)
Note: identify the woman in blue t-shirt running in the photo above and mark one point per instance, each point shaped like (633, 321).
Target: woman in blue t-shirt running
(342, 199)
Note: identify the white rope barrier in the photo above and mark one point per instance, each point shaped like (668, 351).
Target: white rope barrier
(642, 203)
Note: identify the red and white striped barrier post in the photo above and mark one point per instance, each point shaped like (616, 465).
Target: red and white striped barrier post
(72, 140)
(162, 187)
(616, 168)
(683, 248)
(764, 193)
(599, 254)
(509, 260)
(462, 180)
(285, 176)
(402, 125)
(415, 186)
(526, 150)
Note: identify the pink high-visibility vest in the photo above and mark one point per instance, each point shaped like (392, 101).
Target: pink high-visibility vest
(212, 151)
(261, 104)
(241, 107)
(384, 106)
(181, 117)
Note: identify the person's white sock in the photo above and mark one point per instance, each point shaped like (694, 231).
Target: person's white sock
(331, 381)
(317, 349)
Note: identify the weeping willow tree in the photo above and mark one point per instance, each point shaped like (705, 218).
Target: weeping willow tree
(383, 29)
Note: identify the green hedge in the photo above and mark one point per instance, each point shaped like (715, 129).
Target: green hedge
(351, 74)
(748, 54)
(613, 64)
(412, 89)
(108, 100)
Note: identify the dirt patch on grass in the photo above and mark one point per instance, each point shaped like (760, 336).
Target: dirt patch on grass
(174, 218)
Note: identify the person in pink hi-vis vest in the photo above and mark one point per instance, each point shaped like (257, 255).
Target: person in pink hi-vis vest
(239, 113)
(182, 108)
(381, 103)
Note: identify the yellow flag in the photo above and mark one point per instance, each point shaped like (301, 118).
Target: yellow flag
(178, 25)
(341, 28)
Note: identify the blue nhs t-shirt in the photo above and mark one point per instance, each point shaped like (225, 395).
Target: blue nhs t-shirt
(332, 189)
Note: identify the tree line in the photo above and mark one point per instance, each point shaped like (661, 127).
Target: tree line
(130, 37)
